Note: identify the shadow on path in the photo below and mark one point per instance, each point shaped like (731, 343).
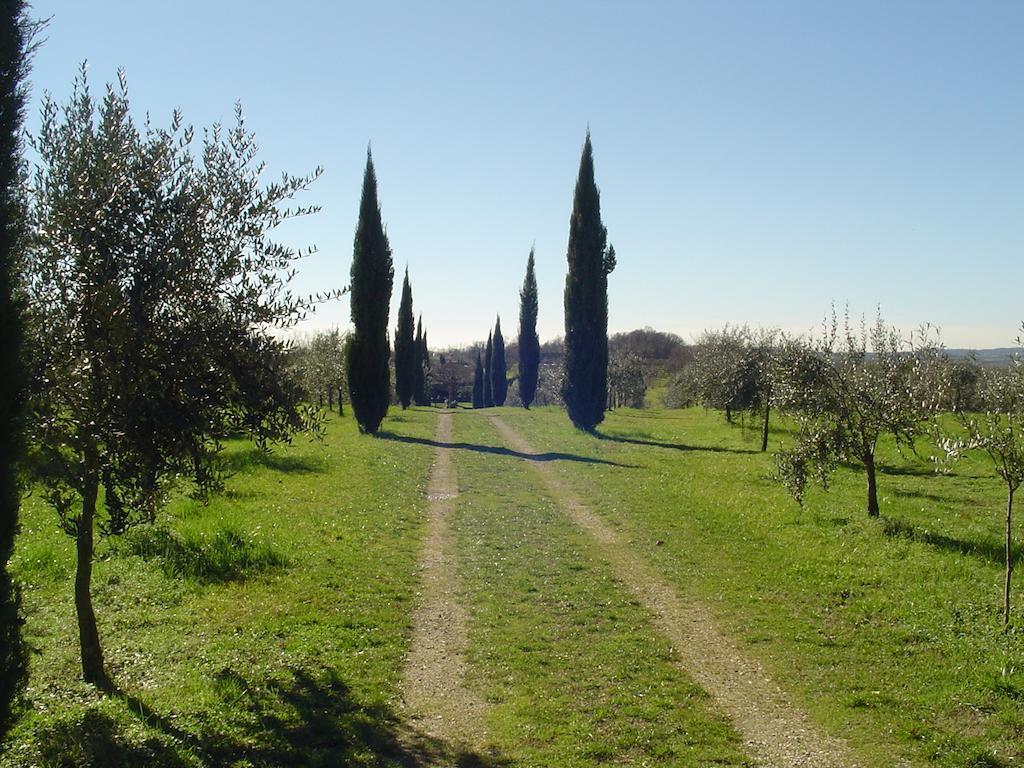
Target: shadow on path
(501, 451)
(308, 721)
(673, 446)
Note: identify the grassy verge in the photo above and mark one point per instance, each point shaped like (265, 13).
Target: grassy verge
(266, 628)
(887, 631)
(575, 673)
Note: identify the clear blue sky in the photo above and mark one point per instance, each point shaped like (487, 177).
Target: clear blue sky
(757, 160)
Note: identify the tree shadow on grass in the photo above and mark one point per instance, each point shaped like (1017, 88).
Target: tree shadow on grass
(502, 451)
(311, 721)
(661, 416)
(253, 458)
(227, 555)
(938, 498)
(924, 472)
(905, 471)
(988, 550)
(673, 446)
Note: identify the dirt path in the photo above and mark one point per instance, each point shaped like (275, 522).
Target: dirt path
(433, 692)
(775, 731)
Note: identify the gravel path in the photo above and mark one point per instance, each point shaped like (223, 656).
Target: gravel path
(776, 732)
(435, 698)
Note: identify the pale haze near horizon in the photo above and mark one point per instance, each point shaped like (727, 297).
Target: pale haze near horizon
(758, 162)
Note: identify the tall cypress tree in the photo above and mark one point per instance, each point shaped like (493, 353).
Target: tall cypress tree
(406, 348)
(425, 362)
(529, 343)
(418, 371)
(15, 31)
(369, 384)
(478, 383)
(586, 302)
(499, 371)
(488, 389)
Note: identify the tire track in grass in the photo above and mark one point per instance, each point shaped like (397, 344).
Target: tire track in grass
(435, 668)
(775, 731)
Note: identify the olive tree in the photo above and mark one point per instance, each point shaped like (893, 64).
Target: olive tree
(721, 376)
(322, 367)
(153, 287)
(999, 432)
(845, 390)
(732, 370)
(626, 382)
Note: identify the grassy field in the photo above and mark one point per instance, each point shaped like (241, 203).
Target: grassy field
(268, 627)
(888, 631)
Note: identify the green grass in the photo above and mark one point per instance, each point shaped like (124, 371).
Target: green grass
(266, 628)
(887, 631)
(224, 556)
(575, 673)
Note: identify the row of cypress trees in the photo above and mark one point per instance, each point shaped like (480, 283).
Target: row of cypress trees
(490, 382)
(421, 366)
(372, 279)
(590, 260)
(490, 377)
(412, 359)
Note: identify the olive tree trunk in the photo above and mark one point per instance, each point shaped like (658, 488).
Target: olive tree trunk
(88, 636)
(869, 466)
(764, 429)
(1009, 556)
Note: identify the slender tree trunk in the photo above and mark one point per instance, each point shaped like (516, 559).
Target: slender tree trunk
(728, 414)
(1009, 557)
(341, 402)
(869, 465)
(88, 635)
(320, 399)
(330, 398)
(764, 430)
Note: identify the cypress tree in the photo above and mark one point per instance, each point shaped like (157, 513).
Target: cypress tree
(488, 388)
(406, 348)
(499, 371)
(369, 385)
(15, 32)
(478, 383)
(425, 359)
(586, 302)
(419, 371)
(529, 343)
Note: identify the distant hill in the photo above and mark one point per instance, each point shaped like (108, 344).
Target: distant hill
(998, 356)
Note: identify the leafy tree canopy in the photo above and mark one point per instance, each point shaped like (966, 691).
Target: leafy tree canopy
(153, 288)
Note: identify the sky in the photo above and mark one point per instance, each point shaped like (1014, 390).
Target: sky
(758, 162)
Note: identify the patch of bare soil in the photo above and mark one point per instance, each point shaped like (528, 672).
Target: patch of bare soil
(776, 731)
